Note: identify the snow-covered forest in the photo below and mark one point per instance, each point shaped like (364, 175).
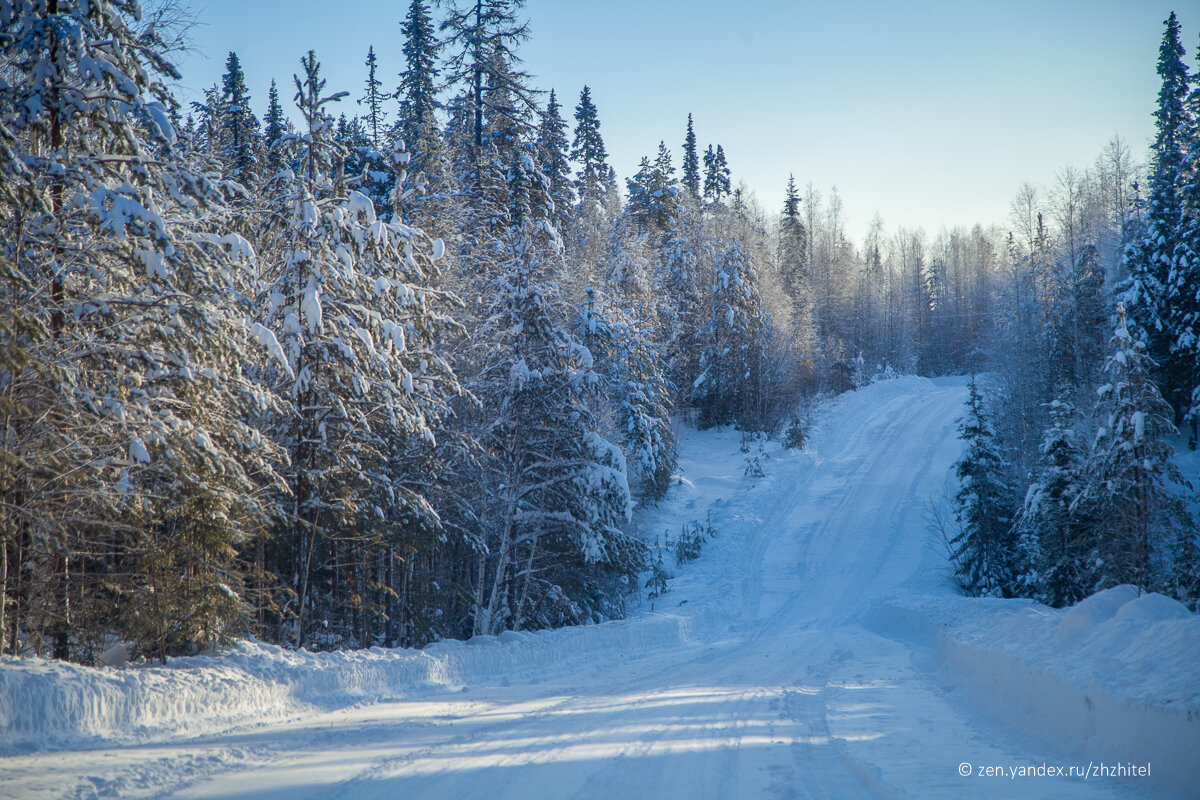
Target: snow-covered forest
(386, 364)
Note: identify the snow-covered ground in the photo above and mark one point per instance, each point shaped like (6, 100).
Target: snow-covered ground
(815, 649)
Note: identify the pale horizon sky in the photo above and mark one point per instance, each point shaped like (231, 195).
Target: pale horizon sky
(931, 114)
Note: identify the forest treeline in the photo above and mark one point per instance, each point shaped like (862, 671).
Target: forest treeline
(392, 365)
(1067, 483)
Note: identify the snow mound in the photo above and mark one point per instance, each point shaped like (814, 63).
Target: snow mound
(1154, 607)
(1083, 617)
(1114, 677)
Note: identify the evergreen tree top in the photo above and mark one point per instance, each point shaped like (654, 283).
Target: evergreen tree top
(791, 201)
(1171, 116)
(233, 82)
(587, 149)
(691, 161)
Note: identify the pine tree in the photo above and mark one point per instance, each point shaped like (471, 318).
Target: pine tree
(1128, 492)
(982, 551)
(691, 162)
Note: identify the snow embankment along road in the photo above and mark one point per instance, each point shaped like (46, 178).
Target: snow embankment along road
(816, 648)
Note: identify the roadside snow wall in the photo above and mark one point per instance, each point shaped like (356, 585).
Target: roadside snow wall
(1112, 679)
(49, 705)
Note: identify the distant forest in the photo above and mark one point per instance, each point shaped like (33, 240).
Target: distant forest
(401, 370)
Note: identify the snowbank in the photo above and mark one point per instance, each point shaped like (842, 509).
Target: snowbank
(47, 705)
(1115, 678)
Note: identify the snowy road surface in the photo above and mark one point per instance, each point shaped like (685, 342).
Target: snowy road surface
(769, 682)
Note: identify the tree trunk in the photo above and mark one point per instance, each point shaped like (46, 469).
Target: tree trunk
(518, 619)
(62, 625)
(3, 593)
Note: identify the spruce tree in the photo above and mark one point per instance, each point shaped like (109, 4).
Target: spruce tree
(483, 36)
(728, 389)
(686, 253)
(1129, 490)
(1185, 268)
(982, 550)
(587, 150)
(793, 256)
(416, 122)
(635, 385)
(1149, 260)
(653, 192)
(555, 549)
(275, 125)
(1057, 544)
(691, 162)
(373, 99)
(716, 175)
(552, 159)
(238, 123)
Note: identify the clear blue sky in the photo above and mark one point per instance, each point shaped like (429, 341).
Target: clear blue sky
(929, 113)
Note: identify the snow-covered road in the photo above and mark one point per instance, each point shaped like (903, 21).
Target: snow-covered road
(763, 672)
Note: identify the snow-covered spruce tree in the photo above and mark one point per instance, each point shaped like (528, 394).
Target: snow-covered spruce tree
(728, 389)
(716, 175)
(1184, 281)
(350, 321)
(691, 162)
(636, 387)
(586, 238)
(793, 257)
(367, 141)
(552, 160)
(1130, 493)
(430, 174)
(653, 193)
(275, 125)
(1076, 318)
(983, 550)
(127, 479)
(555, 551)
(239, 127)
(1056, 544)
(587, 150)
(1148, 293)
(686, 253)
